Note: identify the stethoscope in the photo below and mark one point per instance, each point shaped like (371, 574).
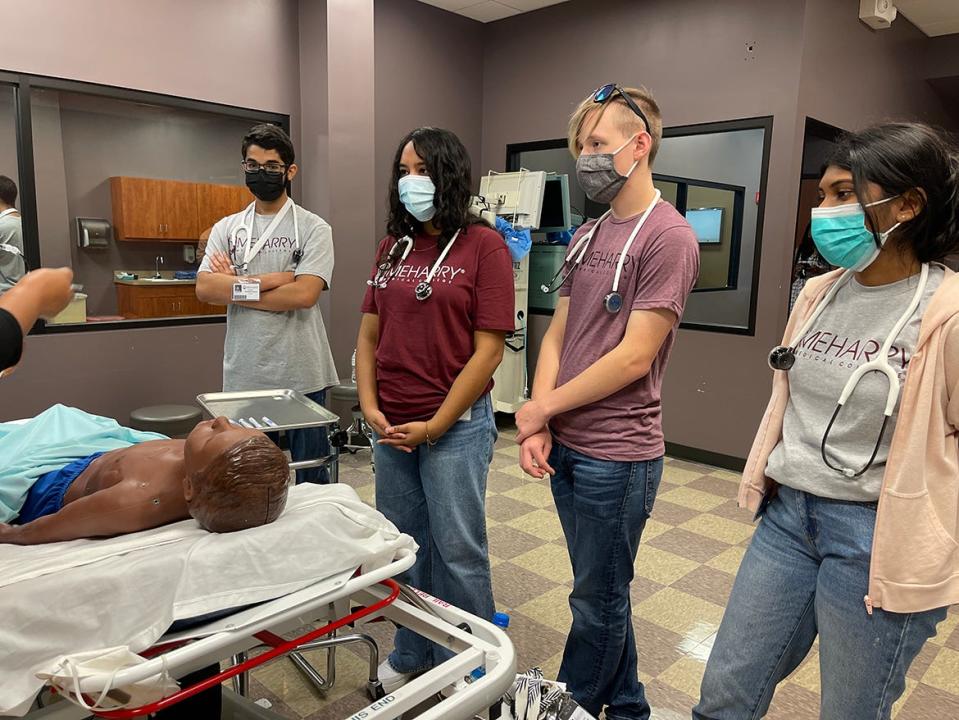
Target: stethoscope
(251, 251)
(783, 358)
(388, 268)
(613, 302)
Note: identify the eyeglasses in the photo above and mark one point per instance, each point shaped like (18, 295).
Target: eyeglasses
(603, 95)
(272, 168)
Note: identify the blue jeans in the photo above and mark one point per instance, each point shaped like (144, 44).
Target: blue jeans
(806, 573)
(438, 496)
(309, 444)
(603, 506)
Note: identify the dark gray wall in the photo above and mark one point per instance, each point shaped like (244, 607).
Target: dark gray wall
(888, 78)
(691, 54)
(429, 71)
(111, 372)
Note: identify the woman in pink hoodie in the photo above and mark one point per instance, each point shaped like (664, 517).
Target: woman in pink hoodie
(855, 468)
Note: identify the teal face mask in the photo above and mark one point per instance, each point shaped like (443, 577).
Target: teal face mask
(841, 235)
(416, 194)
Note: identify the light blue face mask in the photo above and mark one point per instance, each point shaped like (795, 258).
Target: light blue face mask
(841, 235)
(416, 194)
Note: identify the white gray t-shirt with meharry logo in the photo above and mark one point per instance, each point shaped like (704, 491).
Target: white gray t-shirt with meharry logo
(12, 267)
(850, 332)
(265, 350)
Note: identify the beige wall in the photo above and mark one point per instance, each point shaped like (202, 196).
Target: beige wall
(179, 47)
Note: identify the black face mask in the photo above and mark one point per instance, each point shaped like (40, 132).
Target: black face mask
(265, 186)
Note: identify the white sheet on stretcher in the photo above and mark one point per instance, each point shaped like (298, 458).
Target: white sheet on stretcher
(82, 595)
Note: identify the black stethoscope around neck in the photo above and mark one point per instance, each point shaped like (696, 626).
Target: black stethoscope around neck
(388, 268)
(783, 357)
(613, 301)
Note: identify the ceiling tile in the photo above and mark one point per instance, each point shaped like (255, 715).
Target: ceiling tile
(528, 5)
(933, 17)
(452, 5)
(488, 11)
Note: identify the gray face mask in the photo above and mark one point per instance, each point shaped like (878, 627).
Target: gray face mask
(598, 176)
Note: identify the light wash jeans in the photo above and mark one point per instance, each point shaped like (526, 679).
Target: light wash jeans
(438, 496)
(805, 574)
(603, 506)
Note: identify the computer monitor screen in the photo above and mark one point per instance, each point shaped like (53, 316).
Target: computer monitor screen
(555, 216)
(707, 224)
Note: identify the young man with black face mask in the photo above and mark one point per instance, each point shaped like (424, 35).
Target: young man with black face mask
(594, 423)
(281, 256)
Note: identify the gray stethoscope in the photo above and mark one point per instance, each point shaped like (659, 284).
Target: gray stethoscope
(388, 268)
(784, 357)
(613, 302)
(251, 251)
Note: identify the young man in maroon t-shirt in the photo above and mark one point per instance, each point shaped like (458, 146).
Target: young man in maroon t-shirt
(594, 423)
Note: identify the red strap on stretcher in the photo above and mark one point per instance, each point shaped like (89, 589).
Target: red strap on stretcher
(279, 647)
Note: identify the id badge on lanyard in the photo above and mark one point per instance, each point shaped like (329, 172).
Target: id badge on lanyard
(246, 290)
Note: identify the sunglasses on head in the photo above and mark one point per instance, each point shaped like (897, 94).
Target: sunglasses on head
(603, 95)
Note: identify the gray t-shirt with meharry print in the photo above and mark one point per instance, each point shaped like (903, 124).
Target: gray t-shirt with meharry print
(267, 350)
(12, 267)
(849, 333)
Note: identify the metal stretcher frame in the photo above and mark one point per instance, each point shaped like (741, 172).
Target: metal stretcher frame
(485, 645)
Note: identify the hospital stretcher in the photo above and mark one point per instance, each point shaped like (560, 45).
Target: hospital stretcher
(347, 599)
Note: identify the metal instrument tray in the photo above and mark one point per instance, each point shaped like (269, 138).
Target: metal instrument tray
(288, 409)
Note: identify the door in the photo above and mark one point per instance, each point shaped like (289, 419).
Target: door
(137, 208)
(179, 220)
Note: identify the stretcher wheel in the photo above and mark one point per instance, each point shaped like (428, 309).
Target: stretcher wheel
(375, 690)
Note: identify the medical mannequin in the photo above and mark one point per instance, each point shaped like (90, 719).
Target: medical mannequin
(227, 478)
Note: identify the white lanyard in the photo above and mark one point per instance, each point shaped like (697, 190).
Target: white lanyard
(252, 250)
(585, 240)
(442, 257)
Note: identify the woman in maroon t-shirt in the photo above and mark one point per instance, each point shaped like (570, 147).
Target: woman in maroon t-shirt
(438, 306)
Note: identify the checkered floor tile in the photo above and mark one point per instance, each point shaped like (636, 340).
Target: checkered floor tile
(690, 552)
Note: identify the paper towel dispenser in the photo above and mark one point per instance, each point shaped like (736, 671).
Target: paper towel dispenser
(94, 232)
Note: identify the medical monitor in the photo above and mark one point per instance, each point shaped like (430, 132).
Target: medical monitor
(555, 216)
(516, 196)
(707, 224)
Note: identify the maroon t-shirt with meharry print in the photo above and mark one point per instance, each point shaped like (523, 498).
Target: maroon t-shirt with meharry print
(659, 272)
(423, 345)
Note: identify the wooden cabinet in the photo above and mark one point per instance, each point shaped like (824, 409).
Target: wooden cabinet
(137, 208)
(217, 201)
(136, 302)
(171, 210)
(178, 208)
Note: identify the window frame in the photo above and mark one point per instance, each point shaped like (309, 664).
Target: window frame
(765, 123)
(23, 85)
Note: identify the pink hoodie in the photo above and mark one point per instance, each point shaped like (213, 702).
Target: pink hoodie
(915, 553)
